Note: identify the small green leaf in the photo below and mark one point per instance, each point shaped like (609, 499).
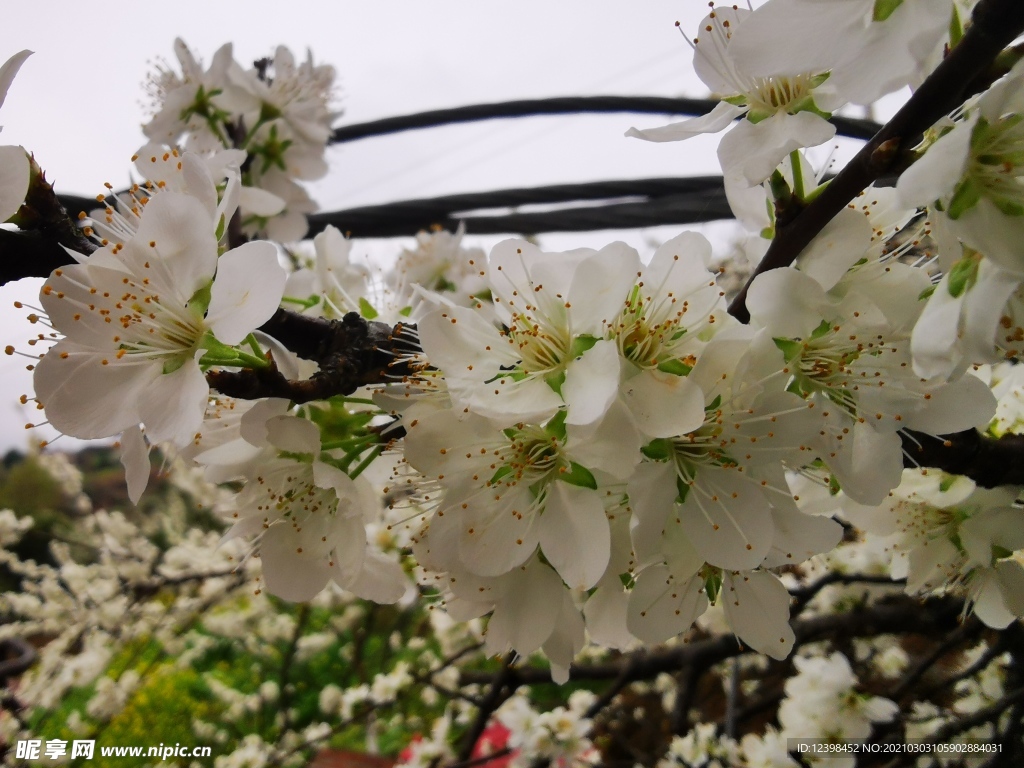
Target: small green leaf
(366, 309)
(926, 293)
(579, 475)
(405, 311)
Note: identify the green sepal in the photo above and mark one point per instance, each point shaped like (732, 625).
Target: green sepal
(713, 405)
(502, 471)
(713, 586)
(682, 489)
(628, 580)
(200, 301)
(926, 293)
(555, 381)
(581, 344)
(659, 449)
(579, 475)
(962, 276)
(966, 196)
(884, 9)
(172, 364)
(222, 225)
(790, 349)
(1000, 553)
(556, 425)
(823, 327)
(675, 367)
(366, 309)
(405, 311)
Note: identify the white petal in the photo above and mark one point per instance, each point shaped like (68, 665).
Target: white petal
(939, 170)
(286, 572)
(135, 459)
(755, 150)
(566, 641)
(955, 407)
(787, 302)
(713, 122)
(728, 519)
(660, 608)
(246, 292)
(289, 433)
(9, 70)
(382, 580)
(496, 536)
(258, 202)
(757, 608)
(592, 383)
(599, 288)
(14, 179)
(843, 242)
(605, 612)
(525, 618)
(574, 534)
(799, 537)
(663, 404)
(652, 494)
(173, 405)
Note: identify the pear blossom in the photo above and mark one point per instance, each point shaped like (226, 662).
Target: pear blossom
(781, 113)
(942, 532)
(847, 350)
(971, 175)
(868, 48)
(556, 308)
(307, 520)
(332, 286)
(138, 315)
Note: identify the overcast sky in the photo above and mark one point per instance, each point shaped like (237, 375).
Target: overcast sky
(78, 102)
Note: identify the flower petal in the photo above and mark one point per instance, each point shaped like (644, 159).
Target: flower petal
(246, 291)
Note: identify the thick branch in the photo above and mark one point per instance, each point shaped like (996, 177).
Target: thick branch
(988, 461)
(900, 614)
(351, 352)
(995, 25)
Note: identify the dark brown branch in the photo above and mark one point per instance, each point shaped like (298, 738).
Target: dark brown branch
(995, 25)
(351, 352)
(899, 614)
(988, 461)
(505, 678)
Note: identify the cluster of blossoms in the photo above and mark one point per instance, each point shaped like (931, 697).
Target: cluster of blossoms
(581, 445)
(274, 118)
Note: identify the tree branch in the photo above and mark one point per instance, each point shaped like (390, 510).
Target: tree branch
(995, 25)
(988, 461)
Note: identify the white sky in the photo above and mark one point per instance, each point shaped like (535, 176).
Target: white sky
(78, 102)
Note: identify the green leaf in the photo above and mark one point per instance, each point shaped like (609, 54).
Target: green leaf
(405, 311)
(675, 367)
(579, 475)
(366, 309)
(926, 293)
(884, 9)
